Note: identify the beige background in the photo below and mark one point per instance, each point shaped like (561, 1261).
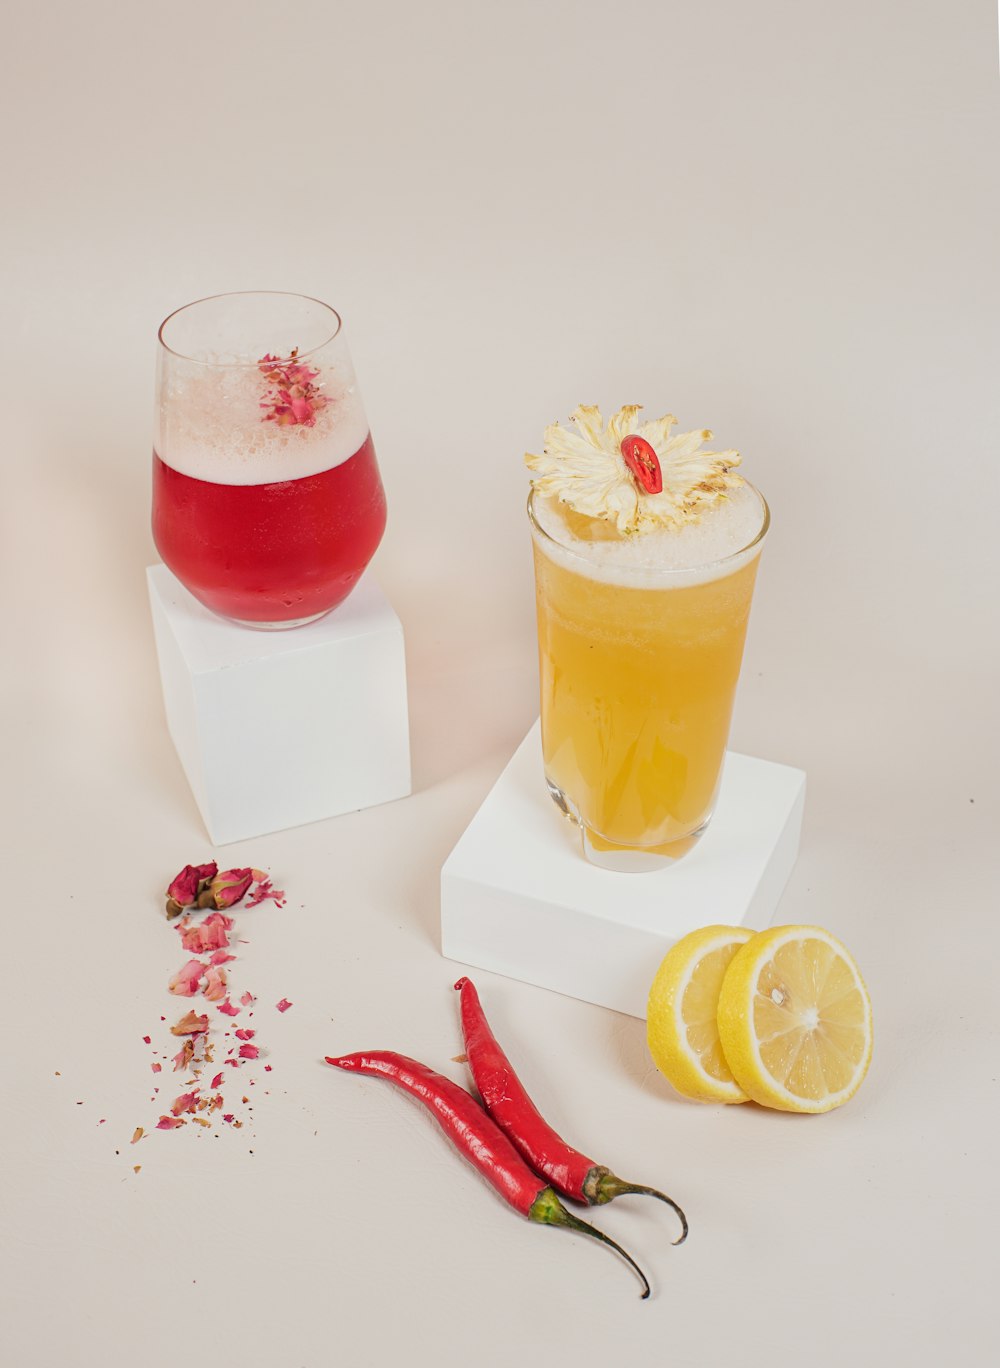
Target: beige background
(779, 219)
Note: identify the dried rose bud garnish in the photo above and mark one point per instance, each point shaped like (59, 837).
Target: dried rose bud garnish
(227, 888)
(186, 886)
(293, 398)
(643, 462)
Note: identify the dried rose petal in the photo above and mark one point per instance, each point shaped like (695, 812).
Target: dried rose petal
(185, 982)
(185, 1103)
(247, 998)
(210, 934)
(185, 886)
(156, 1067)
(217, 1080)
(283, 1005)
(137, 1135)
(191, 1024)
(249, 1052)
(215, 984)
(265, 890)
(183, 1056)
(229, 887)
(170, 1122)
(228, 1009)
(221, 957)
(244, 1033)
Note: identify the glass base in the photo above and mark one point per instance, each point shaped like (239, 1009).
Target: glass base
(623, 859)
(276, 626)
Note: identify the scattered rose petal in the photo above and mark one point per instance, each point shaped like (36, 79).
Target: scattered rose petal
(267, 1068)
(221, 957)
(137, 1135)
(227, 1117)
(191, 1024)
(185, 982)
(245, 1033)
(136, 1168)
(183, 1056)
(247, 998)
(215, 984)
(210, 934)
(185, 1103)
(170, 1122)
(283, 1005)
(217, 1080)
(228, 1009)
(265, 890)
(200, 1121)
(146, 1040)
(249, 1052)
(157, 1068)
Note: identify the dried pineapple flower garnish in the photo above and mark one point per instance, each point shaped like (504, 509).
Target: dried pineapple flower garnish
(632, 474)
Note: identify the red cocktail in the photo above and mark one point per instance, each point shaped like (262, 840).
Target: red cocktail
(267, 500)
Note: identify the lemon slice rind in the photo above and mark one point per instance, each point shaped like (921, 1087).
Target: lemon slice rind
(667, 1029)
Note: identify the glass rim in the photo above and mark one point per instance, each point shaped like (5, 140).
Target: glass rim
(645, 571)
(244, 294)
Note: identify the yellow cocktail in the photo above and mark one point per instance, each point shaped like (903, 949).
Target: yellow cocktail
(640, 643)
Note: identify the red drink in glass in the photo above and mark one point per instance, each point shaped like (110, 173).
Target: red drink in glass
(267, 499)
(267, 552)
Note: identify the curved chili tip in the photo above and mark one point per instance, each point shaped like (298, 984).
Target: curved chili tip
(548, 1210)
(609, 1186)
(461, 984)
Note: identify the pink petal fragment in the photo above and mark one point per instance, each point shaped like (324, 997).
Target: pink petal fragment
(185, 982)
(215, 984)
(187, 1102)
(221, 957)
(263, 891)
(247, 998)
(210, 934)
(244, 1033)
(191, 1024)
(228, 1009)
(157, 1068)
(249, 1052)
(170, 1122)
(217, 1080)
(283, 1005)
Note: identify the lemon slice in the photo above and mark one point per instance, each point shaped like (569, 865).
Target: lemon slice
(795, 1020)
(681, 1015)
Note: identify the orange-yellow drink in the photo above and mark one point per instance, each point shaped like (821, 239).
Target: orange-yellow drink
(640, 643)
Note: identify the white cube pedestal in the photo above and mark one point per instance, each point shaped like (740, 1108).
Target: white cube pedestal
(518, 897)
(275, 729)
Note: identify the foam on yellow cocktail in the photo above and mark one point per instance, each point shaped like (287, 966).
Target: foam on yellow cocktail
(641, 637)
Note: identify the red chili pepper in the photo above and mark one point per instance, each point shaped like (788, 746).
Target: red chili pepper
(506, 1100)
(479, 1139)
(642, 460)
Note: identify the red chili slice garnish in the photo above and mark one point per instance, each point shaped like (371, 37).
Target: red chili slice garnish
(643, 462)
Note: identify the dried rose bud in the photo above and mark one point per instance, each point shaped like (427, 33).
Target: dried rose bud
(185, 887)
(229, 887)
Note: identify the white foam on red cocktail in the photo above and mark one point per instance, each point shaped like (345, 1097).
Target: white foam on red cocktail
(210, 425)
(718, 544)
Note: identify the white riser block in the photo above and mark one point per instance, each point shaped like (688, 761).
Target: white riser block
(276, 729)
(519, 899)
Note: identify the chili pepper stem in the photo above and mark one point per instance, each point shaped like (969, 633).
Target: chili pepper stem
(604, 1186)
(548, 1210)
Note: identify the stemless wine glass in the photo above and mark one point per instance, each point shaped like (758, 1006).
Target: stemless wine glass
(267, 499)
